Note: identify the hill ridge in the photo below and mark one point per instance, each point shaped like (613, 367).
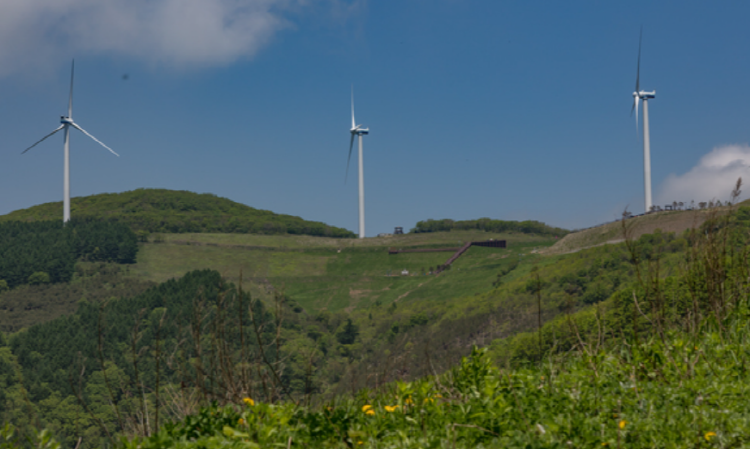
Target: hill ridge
(179, 211)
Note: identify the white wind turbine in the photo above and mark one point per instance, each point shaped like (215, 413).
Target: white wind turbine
(358, 131)
(645, 96)
(66, 123)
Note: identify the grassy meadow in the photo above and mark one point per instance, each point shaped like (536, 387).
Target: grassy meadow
(336, 274)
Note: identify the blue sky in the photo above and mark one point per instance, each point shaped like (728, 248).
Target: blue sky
(508, 110)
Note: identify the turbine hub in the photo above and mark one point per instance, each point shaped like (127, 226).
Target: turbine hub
(66, 120)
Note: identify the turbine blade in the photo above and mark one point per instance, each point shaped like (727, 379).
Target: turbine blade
(638, 70)
(351, 145)
(353, 124)
(74, 125)
(70, 98)
(44, 138)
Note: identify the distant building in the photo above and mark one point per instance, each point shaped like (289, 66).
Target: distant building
(384, 234)
(404, 272)
(398, 230)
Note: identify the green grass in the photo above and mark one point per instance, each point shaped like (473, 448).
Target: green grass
(335, 274)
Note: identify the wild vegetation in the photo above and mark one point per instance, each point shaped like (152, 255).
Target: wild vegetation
(94, 282)
(640, 344)
(489, 225)
(159, 210)
(46, 251)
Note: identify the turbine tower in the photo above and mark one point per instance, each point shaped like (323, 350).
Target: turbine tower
(645, 96)
(358, 131)
(66, 123)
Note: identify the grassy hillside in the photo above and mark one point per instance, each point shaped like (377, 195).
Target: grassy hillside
(660, 363)
(161, 210)
(334, 274)
(672, 221)
(335, 324)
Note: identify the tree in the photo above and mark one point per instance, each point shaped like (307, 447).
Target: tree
(38, 278)
(348, 334)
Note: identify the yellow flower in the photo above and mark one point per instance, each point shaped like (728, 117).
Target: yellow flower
(438, 395)
(710, 435)
(366, 407)
(391, 408)
(622, 424)
(240, 421)
(370, 412)
(248, 401)
(360, 442)
(426, 400)
(408, 400)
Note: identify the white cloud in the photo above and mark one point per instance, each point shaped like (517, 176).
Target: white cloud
(712, 179)
(37, 33)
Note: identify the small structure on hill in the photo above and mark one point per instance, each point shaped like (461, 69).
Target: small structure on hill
(398, 230)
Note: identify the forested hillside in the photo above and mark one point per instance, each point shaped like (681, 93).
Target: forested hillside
(161, 210)
(46, 251)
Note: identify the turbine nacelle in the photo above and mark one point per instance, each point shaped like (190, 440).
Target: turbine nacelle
(643, 94)
(359, 130)
(66, 120)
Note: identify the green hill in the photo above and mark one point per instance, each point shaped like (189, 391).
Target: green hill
(594, 368)
(172, 211)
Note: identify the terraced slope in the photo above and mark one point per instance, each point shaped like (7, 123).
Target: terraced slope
(336, 274)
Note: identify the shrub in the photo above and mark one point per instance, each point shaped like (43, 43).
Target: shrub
(38, 278)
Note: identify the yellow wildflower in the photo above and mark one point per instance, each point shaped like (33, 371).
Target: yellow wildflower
(366, 407)
(426, 400)
(370, 412)
(438, 395)
(248, 401)
(709, 435)
(622, 424)
(391, 408)
(240, 421)
(408, 400)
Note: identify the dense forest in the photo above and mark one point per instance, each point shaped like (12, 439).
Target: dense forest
(161, 210)
(103, 369)
(489, 225)
(46, 251)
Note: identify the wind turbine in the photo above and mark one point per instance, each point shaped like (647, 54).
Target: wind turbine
(66, 123)
(358, 131)
(645, 96)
